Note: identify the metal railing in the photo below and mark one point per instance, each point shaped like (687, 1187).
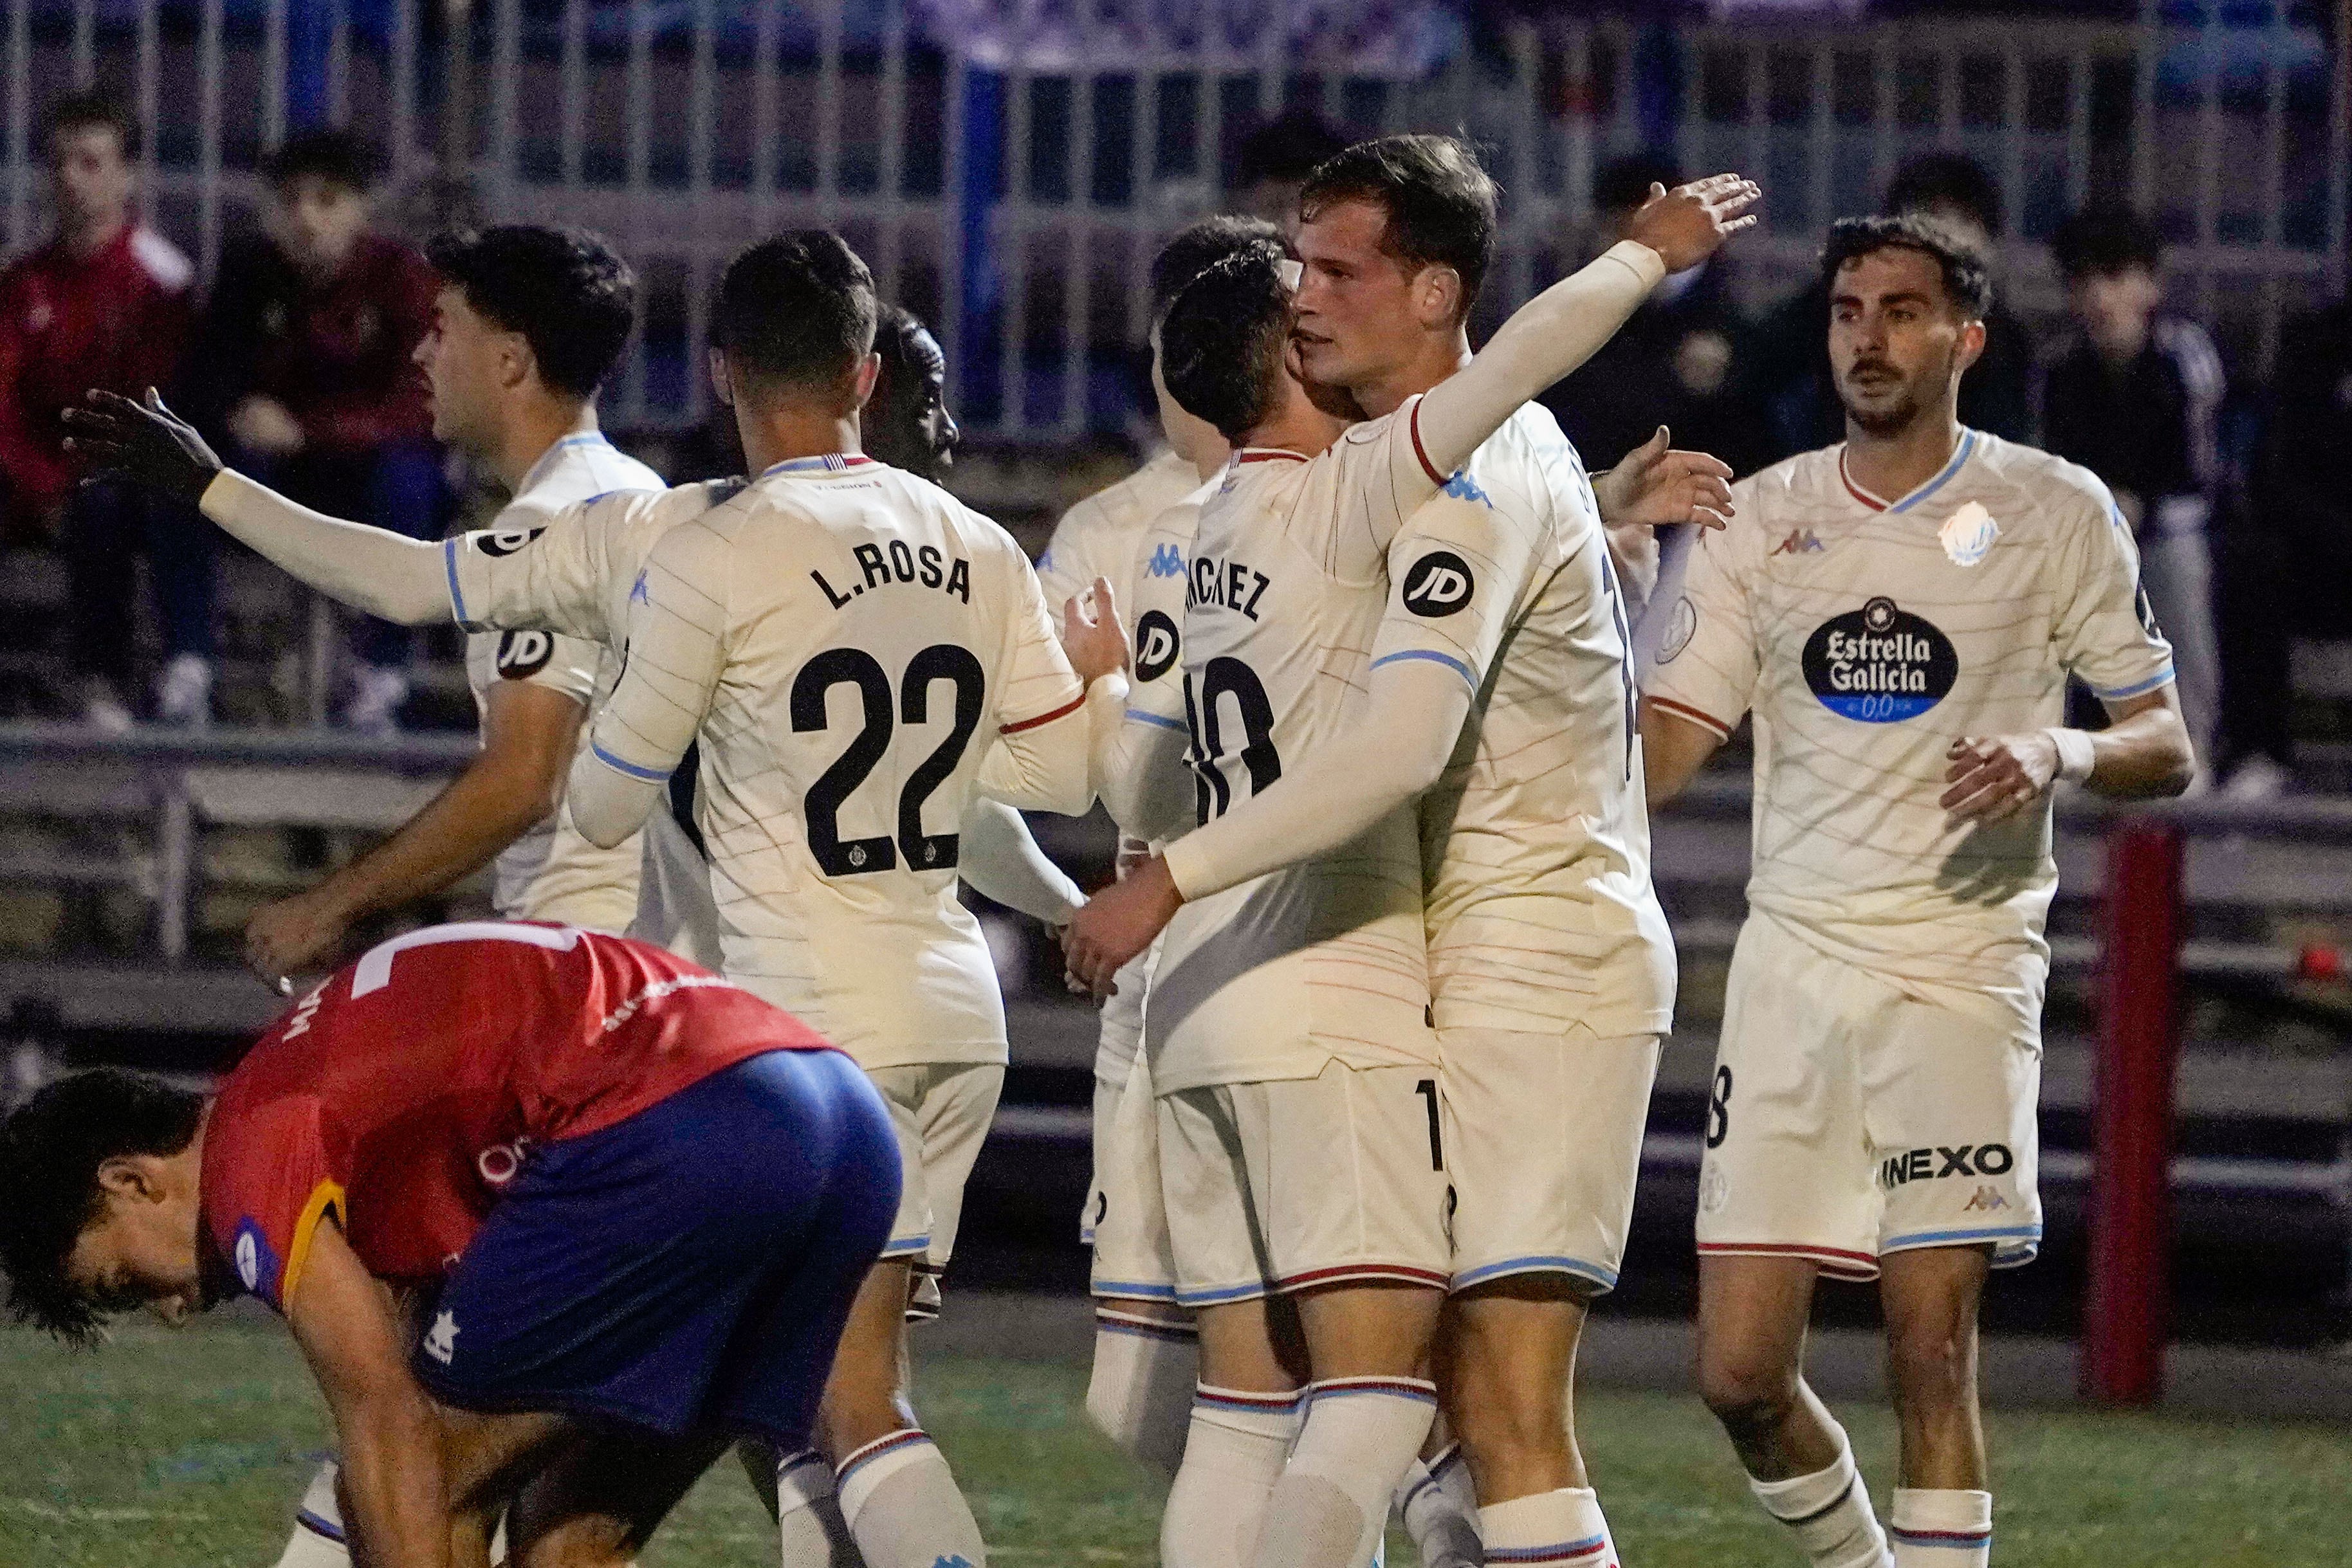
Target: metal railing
(1008, 167)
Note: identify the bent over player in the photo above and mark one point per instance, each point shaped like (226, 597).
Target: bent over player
(1900, 612)
(632, 1201)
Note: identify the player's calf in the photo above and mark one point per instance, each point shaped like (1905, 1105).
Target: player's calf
(1942, 1513)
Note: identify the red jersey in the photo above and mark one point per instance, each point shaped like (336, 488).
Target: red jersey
(116, 319)
(403, 1093)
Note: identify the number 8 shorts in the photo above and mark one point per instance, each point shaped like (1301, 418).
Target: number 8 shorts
(1848, 1118)
(1298, 1183)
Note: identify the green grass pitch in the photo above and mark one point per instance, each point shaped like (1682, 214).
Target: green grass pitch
(188, 1449)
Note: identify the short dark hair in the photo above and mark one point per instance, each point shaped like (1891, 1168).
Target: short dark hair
(1222, 345)
(1191, 249)
(1968, 282)
(1933, 180)
(1288, 147)
(570, 295)
(338, 157)
(50, 1149)
(93, 109)
(797, 309)
(1623, 183)
(1441, 203)
(2108, 237)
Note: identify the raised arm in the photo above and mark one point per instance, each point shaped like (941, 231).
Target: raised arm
(1001, 861)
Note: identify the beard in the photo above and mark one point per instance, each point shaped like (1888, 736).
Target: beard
(1911, 400)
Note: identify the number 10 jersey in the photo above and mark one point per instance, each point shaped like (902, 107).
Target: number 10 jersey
(1279, 977)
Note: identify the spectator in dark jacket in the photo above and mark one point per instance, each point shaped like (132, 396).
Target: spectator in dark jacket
(104, 304)
(2134, 396)
(1996, 395)
(303, 364)
(1684, 360)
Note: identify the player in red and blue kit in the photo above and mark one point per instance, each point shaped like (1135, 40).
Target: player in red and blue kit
(628, 1207)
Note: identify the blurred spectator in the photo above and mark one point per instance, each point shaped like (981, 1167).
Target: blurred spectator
(1996, 395)
(103, 304)
(1684, 360)
(302, 363)
(2288, 572)
(1272, 164)
(2134, 397)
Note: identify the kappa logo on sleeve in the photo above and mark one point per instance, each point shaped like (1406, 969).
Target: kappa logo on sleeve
(523, 654)
(1167, 560)
(505, 541)
(1440, 584)
(1156, 645)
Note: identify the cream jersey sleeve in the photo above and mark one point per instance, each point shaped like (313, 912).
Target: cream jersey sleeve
(2106, 631)
(1709, 655)
(578, 573)
(1042, 760)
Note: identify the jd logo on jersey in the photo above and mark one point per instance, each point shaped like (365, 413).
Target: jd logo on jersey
(1439, 584)
(523, 654)
(1879, 665)
(1156, 646)
(505, 541)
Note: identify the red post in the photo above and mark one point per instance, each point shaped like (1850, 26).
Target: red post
(2127, 1308)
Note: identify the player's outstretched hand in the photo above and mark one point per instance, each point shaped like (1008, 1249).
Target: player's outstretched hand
(1091, 634)
(1657, 485)
(1684, 225)
(293, 937)
(1117, 922)
(143, 442)
(1993, 778)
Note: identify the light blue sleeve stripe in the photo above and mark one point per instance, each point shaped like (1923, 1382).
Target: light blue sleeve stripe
(1139, 716)
(1434, 657)
(1940, 1236)
(651, 775)
(2147, 686)
(456, 594)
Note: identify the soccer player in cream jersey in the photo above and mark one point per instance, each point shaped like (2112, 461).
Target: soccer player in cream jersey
(1900, 614)
(1498, 674)
(1288, 1036)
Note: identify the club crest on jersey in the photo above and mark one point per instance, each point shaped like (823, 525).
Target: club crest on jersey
(523, 654)
(1682, 626)
(1463, 488)
(1167, 560)
(251, 1254)
(505, 541)
(1801, 541)
(1968, 534)
(1879, 665)
(1156, 645)
(1439, 584)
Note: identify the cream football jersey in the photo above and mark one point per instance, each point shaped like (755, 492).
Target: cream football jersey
(551, 872)
(1536, 839)
(1280, 975)
(1097, 537)
(1867, 634)
(846, 642)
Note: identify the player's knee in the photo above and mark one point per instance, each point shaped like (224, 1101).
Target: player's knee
(1747, 1392)
(1507, 1423)
(1931, 1368)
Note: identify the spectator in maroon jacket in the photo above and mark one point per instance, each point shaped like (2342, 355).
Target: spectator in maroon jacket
(103, 304)
(303, 366)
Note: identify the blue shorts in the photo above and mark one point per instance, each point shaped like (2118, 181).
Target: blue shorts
(689, 1268)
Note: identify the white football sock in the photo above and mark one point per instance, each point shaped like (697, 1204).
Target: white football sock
(902, 1507)
(1332, 1502)
(1234, 1446)
(808, 1516)
(1935, 1528)
(1559, 1528)
(318, 1538)
(1141, 1394)
(1830, 1513)
(1443, 1524)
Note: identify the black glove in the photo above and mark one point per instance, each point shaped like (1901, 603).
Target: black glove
(143, 442)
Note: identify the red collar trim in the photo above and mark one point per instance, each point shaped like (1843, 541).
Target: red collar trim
(1267, 454)
(1856, 491)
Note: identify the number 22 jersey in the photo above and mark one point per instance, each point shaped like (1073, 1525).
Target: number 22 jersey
(1866, 636)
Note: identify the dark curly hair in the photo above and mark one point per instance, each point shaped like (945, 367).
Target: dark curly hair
(570, 295)
(1968, 282)
(1222, 345)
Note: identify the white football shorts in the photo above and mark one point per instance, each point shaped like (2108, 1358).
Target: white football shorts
(1296, 1182)
(1133, 1258)
(940, 1111)
(1849, 1118)
(1118, 1045)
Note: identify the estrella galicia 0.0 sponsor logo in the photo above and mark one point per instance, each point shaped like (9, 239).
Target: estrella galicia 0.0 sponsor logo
(1879, 665)
(1438, 585)
(1156, 646)
(523, 654)
(505, 541)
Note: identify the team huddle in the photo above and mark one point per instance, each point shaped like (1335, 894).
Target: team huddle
(559, 1216)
